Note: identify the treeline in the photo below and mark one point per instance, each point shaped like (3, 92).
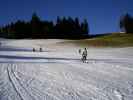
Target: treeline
(70, 28)
(126, 23)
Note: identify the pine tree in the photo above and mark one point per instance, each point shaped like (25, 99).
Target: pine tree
(126, 23)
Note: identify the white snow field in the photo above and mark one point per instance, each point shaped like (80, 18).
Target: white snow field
(58, 74)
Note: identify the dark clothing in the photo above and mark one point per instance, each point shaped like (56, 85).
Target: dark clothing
(40, 49)
(84, 55)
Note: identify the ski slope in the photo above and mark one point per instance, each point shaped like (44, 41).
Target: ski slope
(58, 74)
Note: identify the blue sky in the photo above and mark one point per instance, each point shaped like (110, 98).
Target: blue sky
(102, 15)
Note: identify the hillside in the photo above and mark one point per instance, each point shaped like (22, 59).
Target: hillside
(57, 73)
(111, 40)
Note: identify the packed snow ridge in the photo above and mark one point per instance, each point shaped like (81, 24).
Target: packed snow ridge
(57, 73)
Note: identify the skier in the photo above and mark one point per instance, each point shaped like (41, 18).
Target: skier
(34, 50)
(40, 49)
(84, 55)
(79, 51)
(85, 52)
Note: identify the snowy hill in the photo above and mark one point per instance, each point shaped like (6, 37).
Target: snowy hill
(58, 74)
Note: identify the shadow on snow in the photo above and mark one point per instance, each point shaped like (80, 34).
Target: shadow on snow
(64, 59)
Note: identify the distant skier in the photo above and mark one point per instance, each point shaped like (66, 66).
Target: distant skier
(34, 50)
(84, 55)
(85, 52)
(79, 51)
(40, 49)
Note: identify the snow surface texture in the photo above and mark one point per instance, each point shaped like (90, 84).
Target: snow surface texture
(58, 74)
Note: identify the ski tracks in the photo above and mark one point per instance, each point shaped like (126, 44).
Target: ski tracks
(21, 91)
(113, 93)
(79, 88)
(26, 92)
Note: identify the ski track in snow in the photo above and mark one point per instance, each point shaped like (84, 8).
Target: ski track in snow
(23, 93)
(62, 76)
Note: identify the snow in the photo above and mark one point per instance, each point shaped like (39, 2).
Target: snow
(58, 74)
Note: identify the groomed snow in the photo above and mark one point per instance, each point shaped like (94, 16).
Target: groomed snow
(58, 74)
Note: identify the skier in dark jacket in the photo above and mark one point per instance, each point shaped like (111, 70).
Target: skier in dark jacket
(79, 51)
(84, 55)
(34, 50)
(40, 49)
